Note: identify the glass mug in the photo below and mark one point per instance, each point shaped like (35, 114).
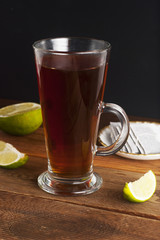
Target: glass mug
(71, 75)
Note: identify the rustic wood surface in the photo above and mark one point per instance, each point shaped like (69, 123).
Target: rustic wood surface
(27, 212)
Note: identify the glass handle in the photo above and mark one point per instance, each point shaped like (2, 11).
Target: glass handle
(122, 116)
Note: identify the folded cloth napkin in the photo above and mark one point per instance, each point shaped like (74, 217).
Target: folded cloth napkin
(144, 137)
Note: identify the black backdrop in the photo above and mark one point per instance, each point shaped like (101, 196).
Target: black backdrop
(132, 28)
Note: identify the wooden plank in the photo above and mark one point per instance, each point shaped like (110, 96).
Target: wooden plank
(24, 217)
(24, 181)
(33, 144)
(117, 162)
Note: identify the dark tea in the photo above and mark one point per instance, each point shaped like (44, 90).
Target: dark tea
(70, 96)
(71, 77)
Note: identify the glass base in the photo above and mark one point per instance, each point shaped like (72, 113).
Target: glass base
(69, 187)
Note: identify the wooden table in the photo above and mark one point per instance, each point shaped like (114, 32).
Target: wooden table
(27, 212)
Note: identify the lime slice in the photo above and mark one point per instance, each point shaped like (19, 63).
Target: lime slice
(10, 157)
(20, 119)
(142, 189)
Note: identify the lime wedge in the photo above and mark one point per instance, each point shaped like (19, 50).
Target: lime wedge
(142, 189)
(20, 119)
(10, 157)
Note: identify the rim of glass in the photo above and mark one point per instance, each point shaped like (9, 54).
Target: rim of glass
(107, 46)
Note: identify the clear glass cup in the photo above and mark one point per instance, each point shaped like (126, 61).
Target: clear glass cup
(71, 75)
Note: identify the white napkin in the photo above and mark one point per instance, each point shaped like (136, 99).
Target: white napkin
(144, 137)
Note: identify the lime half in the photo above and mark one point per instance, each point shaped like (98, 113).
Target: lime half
(142, 189)
(10, 157)
(20, 119)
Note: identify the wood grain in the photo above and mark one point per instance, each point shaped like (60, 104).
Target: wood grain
(35, 218)
(33, 144)
(117, 162)
(27, 212)
(24, 181)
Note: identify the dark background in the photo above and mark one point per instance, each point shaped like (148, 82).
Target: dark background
(132, 28)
